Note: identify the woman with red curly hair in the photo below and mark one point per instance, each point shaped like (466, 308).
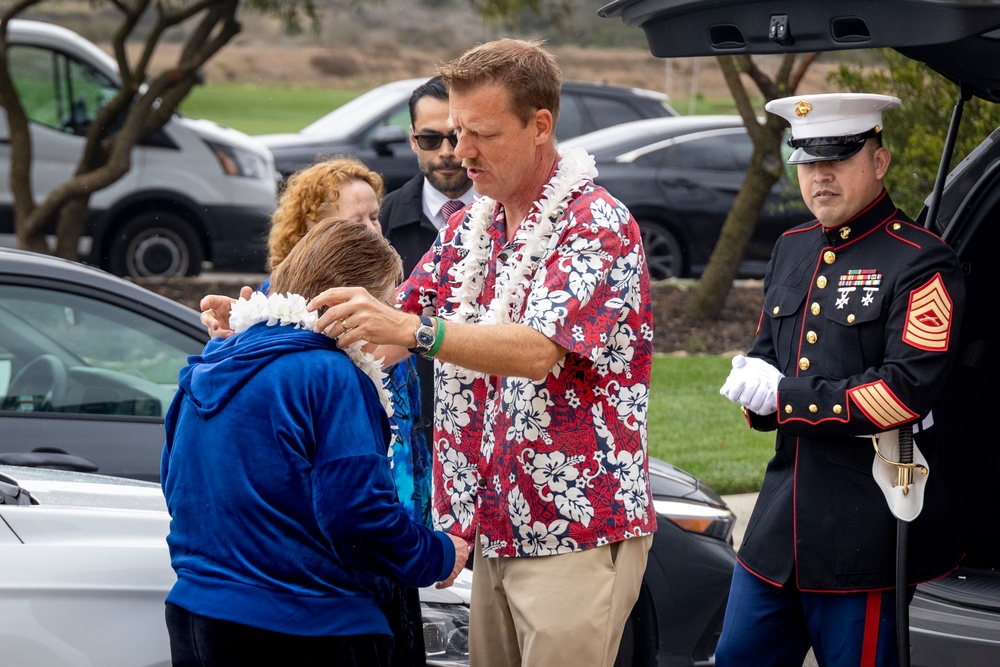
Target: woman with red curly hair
(343, 187)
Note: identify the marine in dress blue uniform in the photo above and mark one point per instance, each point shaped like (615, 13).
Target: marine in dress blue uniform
(856, 338)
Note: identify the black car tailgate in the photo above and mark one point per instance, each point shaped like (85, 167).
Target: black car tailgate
(951, 36)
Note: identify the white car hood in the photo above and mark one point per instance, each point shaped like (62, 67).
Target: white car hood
(211, 131)
(289, 140)
(75, 489)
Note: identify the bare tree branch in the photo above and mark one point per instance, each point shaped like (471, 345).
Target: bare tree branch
(799, 73)
(732, 67)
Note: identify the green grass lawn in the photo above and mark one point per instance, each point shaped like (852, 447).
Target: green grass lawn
(271, 109)
(698, 430)
(263, 109)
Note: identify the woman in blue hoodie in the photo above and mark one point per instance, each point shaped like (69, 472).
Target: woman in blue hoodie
(285, 531)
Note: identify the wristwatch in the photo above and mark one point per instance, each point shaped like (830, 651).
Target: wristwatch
(424, 336)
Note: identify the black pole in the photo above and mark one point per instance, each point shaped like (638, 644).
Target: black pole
(964, 94)
(902, 551)
(902, 605)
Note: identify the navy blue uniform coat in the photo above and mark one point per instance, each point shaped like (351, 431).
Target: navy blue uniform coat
(863, 321)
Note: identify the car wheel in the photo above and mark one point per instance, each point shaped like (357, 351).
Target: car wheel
(638, 645)
(664, 252)
(156, 245)
(43, 377)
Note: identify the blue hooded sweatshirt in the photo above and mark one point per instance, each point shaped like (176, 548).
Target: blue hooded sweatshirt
(283, 510)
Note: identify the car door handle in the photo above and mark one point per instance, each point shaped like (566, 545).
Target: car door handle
(48, 460)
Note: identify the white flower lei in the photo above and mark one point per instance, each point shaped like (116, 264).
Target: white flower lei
(575, 170)
(285, 309)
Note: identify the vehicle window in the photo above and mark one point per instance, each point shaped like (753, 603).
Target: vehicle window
(571, 121)
(72, 354)
(58, 91)
(724, 152)
(400, 117)
(606, 112)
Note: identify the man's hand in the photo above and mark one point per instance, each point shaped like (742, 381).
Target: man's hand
(352, 314)
(215, 310)
(462, 550)
(753, 383)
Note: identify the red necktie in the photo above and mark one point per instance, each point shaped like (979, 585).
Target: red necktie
(450, 207)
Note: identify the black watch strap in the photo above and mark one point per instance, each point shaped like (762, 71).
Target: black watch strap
(423, 336)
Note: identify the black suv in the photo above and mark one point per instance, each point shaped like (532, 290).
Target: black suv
(375, 126)
(954, 620)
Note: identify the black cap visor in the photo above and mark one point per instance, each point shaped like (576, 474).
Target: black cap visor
(822, 149)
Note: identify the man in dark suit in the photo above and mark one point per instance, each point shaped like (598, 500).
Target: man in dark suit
(412, 215)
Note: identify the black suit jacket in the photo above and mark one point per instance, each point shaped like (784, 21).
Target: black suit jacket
(404, 223)
(412, 234)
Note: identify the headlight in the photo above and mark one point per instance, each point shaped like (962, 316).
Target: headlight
(446, 633)
(236, 161)
(714, 522)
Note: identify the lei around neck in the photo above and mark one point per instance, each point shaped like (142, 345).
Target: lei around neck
(290, 310)
(536, 233)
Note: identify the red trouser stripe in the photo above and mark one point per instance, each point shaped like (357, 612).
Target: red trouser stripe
(869, 649)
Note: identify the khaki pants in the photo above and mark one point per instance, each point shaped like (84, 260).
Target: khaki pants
(552, 611)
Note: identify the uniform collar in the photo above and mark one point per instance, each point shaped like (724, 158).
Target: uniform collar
(872, 216)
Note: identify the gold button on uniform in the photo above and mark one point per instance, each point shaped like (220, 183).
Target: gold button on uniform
(829, 257)
(803, 364)
(814, 309)
(813, 409)
(776, 310)
(896, 226)
(812, 337)
(821, 282)
(850, 318)
(788, 409)
(837, 409)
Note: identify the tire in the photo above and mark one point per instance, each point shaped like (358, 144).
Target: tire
(155, 244)
(664, 252)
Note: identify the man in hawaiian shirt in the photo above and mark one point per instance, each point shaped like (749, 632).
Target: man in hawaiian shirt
(535, 305)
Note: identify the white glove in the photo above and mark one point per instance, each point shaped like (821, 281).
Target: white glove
(753, 383)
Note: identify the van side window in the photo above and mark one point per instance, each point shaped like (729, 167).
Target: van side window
(58, 91)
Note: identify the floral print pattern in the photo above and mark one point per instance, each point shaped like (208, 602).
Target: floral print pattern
(557, 465)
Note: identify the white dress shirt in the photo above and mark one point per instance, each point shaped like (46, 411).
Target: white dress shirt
(433, 199)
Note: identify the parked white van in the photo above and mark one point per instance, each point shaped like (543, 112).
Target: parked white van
(196, 191)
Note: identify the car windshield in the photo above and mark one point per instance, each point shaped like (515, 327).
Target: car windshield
(348, 118)
(614, 141)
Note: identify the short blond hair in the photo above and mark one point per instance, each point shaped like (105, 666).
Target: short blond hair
(340, 253)
(529, 73)
(306, 192)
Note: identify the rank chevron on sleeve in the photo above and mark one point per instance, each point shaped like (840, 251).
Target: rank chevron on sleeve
(928, 318)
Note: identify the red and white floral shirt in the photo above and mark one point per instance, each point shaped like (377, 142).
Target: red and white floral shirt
(557, 465)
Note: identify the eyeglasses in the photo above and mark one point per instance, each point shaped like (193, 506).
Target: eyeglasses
(432, 141)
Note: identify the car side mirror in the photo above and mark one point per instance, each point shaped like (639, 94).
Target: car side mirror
(386, 136)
